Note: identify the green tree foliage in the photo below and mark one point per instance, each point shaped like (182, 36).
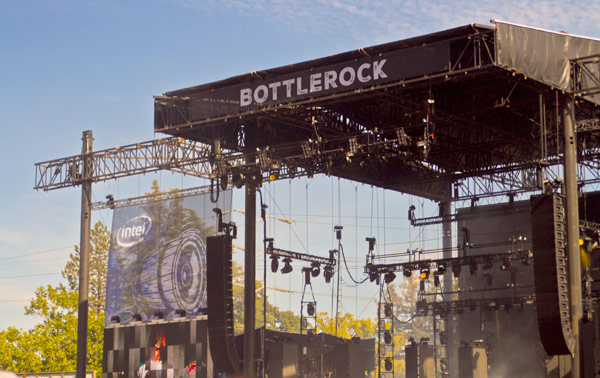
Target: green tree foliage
(285, 321)
(51, 345)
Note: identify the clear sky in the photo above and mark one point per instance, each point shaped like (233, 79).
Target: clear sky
(68, 66)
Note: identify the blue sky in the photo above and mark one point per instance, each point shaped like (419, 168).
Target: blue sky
(68, 66)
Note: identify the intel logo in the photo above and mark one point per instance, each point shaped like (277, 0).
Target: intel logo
(134, 231)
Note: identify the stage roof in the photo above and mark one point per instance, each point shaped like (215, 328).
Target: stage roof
(415, 115)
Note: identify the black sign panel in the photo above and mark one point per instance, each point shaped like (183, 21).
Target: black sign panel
(320, 81)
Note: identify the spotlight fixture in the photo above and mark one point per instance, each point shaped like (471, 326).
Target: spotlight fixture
(473, 306)
(389, 277)
(238, 178)
(407, 271)
(526, 257)
(316, 269)
(159, 315)
(387, 337)
(441, 268)
(328, 273)
(306, 272)
(487, 265)
(137, 317)
(310, 309)
(456, 268)
(180, 313)
(115, 319)
(473, 268)
(388, 310)
(274, 263)
(506, 265)
(388, 364)
(373, 275)
(287, 267)
(424, 273)
(422, 307)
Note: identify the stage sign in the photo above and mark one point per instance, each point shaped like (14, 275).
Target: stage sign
(290, 85)
(157, 259)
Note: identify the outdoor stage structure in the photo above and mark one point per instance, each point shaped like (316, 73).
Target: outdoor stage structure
(467, 116)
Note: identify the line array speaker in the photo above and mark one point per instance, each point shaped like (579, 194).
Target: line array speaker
(548, 228)
(220, 305)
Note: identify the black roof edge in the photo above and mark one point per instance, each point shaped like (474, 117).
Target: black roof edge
(341, 57)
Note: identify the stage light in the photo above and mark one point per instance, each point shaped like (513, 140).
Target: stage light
(389, 277)
(238, 178)
(388, 365)
(287, 267)
(159, 315)
(328, 273)
(424, 273)
(374, 276)
(306, 272)
(180, 313)
(310, 309)
(456, 268)
(506, 265)
(274, 263)
(436, 280)
(422, 308)
(316, 269)
(441, 268)
(473, 268)
(388, 310)
(488, 264)
(526, 258)
(137, 317)
(387, 337)
(115, 319)
(407, 271)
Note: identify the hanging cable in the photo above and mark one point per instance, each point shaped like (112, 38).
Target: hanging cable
(212, 183)
(347, 269)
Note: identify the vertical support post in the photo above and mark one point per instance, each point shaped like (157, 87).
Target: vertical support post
(249, 279)
(570, 168)
(84, 253)
(449, 326)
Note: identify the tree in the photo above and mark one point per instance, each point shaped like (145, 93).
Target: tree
(51, 345)
(285, 321)
(99, 246)
(348, 326)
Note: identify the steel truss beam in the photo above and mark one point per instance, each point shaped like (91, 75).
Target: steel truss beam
(524, 255)
(300, 256)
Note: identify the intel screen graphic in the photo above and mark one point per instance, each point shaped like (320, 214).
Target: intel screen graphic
(157, 259)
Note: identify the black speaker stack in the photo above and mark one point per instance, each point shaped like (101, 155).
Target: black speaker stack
(550, 264)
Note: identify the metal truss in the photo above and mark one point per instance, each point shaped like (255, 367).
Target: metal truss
(585, 74)
(176, 154)
(523, 255)
(331, 261)
(443, 308)
(112, 203)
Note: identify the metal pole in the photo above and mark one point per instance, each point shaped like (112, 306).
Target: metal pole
(84, 254)
(250, 279)
(570, 168)
(449, 327)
